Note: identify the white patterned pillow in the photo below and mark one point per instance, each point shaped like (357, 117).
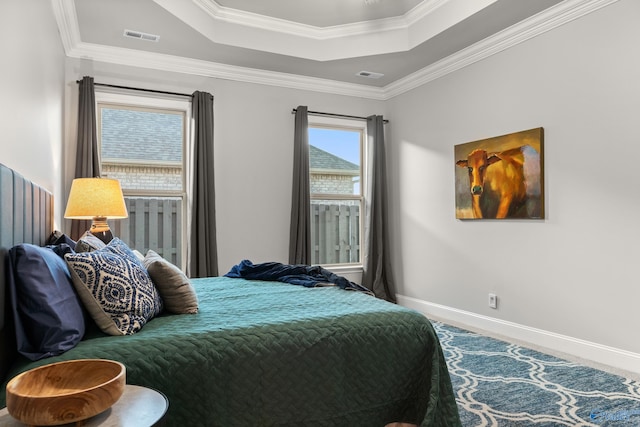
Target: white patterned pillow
(115, 288)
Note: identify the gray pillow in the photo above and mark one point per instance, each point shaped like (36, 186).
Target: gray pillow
(175, 288)
(115, 288)
(88, 243)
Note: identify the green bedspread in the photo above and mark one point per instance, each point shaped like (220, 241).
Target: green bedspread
(273, 354)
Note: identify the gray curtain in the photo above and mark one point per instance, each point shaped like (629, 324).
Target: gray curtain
(203, 252)
(377, 275)
(87, 154)
(300, 231)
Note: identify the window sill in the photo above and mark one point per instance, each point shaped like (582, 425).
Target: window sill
(351, 272)
(339, 269)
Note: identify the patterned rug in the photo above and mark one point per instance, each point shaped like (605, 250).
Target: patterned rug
(503, 384)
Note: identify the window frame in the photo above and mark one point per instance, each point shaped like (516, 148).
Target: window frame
(153, 103)
(351, 125)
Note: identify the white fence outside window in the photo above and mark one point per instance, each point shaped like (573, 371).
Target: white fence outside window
(153, 223)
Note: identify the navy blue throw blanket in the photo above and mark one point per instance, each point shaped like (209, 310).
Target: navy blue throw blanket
(303, 275)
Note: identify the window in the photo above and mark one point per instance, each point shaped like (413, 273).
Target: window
(336, 186)
(142, 143)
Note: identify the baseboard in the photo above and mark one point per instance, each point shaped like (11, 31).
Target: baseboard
(580, 349)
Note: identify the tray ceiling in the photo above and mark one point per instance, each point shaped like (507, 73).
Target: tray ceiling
(326, 43)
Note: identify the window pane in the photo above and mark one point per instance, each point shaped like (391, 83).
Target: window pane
(335, 231)
(142, 149)
(334, 175)
(334, 161)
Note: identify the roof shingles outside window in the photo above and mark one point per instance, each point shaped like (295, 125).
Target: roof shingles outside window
(142, 149)
(140, 135)
(320, 159)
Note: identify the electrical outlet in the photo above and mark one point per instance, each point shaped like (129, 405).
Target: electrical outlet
(493, 301)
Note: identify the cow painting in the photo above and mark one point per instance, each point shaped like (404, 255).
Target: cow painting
(502, 179)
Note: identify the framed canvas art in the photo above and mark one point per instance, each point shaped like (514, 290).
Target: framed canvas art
(501, 177)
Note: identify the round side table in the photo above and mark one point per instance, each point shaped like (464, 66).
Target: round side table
(138, 407)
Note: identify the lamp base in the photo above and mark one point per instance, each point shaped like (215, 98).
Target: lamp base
(105, 236)
(101, 230)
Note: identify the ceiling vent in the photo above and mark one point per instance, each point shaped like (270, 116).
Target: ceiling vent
(369, 74)
(141, 36)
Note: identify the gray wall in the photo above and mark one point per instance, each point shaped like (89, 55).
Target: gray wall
(573, 274)
(31, 92)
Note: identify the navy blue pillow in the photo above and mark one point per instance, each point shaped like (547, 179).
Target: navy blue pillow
(58, 237)
(48, 315)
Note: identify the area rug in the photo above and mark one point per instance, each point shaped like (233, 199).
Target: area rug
(502, 384)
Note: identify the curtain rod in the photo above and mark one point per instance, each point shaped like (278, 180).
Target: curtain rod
(140, 89)
(318, 113)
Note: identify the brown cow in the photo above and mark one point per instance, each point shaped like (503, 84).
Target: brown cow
(497, 182)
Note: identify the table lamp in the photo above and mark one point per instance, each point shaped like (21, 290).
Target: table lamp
(97, 199)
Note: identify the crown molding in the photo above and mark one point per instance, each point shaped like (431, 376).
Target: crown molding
(554, 17)
(423, 9)
(544, 21)
(249, 19)
(258, 32)
(241, 17)
(249, 30)
(177, 64)
(65, 14)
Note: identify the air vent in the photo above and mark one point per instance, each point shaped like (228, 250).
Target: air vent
(141, 36)
(369, 74)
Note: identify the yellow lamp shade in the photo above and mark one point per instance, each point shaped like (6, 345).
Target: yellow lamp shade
(95, 198)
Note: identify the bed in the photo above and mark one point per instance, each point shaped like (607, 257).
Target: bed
(257, 353)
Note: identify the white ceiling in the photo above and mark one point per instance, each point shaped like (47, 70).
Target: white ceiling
(309, 44)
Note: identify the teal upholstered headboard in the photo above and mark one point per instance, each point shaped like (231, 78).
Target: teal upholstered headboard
(26, 216)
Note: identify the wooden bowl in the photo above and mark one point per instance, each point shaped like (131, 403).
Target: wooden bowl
(65, 392)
